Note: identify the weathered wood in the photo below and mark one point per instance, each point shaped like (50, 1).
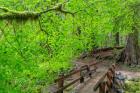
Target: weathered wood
(78, 71)
(62, 77)
(99, 82)
(106, 49)
(73, 82)
(102, 87)
(72, 73)
(61, 82)
(106, 86)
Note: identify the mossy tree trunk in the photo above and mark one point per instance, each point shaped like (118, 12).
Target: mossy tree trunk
(131, 54)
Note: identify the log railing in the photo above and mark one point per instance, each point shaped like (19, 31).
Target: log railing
(105, 83)
(84, 71)
(105, 49)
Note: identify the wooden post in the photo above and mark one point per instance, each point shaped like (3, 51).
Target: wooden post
(61, 82)
(102, 87)
(82, 77)
(109, 80)
(89, 71)
(95, 68)
(82, 74)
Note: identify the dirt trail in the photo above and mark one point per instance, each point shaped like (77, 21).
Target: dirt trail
(130, 73)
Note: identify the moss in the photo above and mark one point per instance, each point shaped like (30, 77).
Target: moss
(133, 86)
(20, 15)
(11, 14)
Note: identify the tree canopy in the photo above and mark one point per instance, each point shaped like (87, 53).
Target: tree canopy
(40, 38)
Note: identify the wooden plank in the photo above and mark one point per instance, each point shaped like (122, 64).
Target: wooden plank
(106, 49)
(73, 82)
(72, 73)
(111, 69)
(77, 71)
(60, 80)
(99, 82)
(102, 87)
(61, 83)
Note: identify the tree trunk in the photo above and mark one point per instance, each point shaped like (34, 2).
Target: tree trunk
(117, 41)
(130, 54)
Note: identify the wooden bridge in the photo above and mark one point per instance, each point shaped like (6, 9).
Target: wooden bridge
(103, 85)
(84, 71)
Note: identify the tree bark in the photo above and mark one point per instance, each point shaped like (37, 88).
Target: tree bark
(130, 55)
(117, 41)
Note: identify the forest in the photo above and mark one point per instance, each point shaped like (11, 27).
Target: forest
(42, 39)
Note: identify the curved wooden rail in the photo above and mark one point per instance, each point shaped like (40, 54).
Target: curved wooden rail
(106, 81)
(106, 49)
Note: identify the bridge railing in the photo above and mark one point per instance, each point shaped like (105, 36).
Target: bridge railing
(105, 84)
(84, 71)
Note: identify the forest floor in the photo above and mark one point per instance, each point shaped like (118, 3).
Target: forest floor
(106, 59)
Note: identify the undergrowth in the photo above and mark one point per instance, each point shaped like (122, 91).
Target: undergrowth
(133, 86)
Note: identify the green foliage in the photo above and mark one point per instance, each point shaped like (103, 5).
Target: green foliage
(34, 52)
(133, 86)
